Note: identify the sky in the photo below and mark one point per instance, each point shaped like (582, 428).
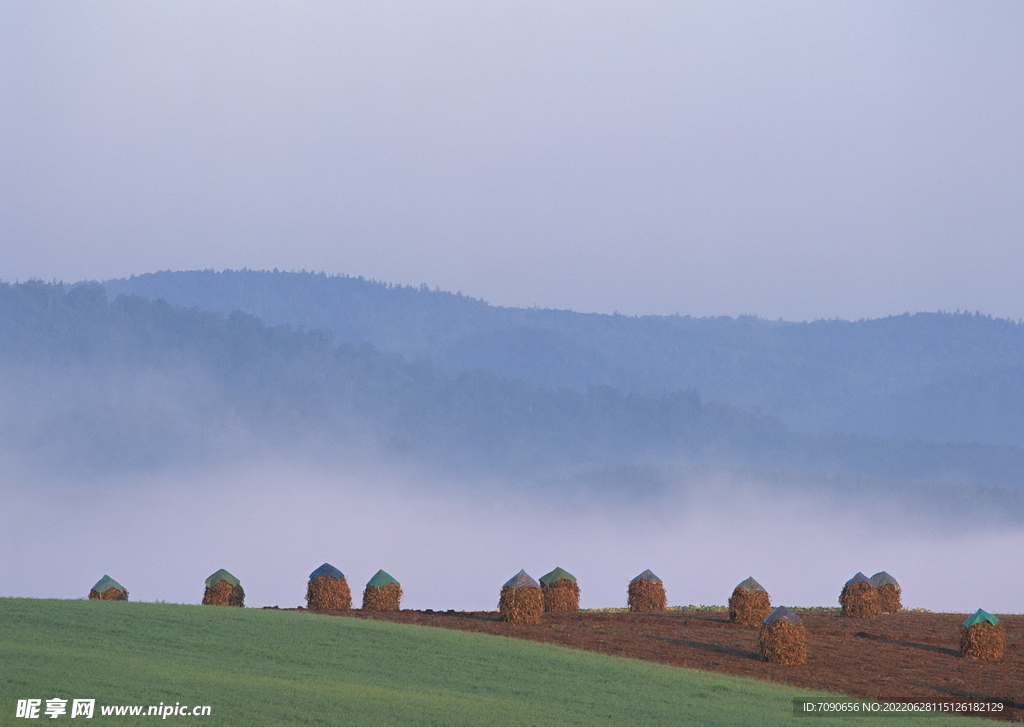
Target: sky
(794, 160)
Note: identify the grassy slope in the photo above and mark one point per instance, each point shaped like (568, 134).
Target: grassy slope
(264, 667)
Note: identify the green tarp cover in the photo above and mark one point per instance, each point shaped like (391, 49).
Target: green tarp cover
(221, 575)
(382, 578)
(326, 570)
(557, 574)
(750, 585)
(860, 578)
(106, 583)
(647, 576)
(521, 580)
(782, 614)
(980, 616)
(884, 579)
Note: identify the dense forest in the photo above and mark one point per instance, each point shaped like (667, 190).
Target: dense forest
(943, 377)
(94, 383)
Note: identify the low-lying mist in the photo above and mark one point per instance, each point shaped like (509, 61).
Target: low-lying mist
(452, 543)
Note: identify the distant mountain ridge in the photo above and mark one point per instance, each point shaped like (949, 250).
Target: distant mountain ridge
(93, 384)
(90, 384)
(933, 376)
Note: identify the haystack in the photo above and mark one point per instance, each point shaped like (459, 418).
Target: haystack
(783, 638)
(889, 592)
(107, 589)
(328, 590)
(982, 637)
(561, 592)
(647, 593)
(382, 593)
(749, 603)
(223, 589)
(521, 601)
(859, 598)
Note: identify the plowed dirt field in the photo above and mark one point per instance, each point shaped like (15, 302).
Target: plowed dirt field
(907, 657)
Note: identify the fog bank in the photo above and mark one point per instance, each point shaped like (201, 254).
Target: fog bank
(452, 546)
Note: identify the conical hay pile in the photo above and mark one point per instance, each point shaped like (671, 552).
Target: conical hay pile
(749, 607)
(889, 592)
(111, 594)
(522, 605)
(982, 637)
(859, 599)
(107, 589)
(646, 594)
(223, 593)
(983, 641)
(521, 600)
(223, 589)
(328, 593)
(382, 598)
(561, 596)
(780, 642)
(561, 592)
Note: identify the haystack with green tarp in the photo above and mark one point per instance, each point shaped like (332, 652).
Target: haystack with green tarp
(889, 592)
(749, 603)
(521, 600)
(382, 593)
(561, 592)
(107, 589)
(646, 593)
(982, 636)
(328, 590)
(783, 638)
(859, 598)
(223, 589)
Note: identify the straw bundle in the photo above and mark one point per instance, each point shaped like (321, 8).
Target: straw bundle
(888, 592)
(327, 593)
(783, 643)
(561, 592)
(223, 589)
(107, 589)
(382, 593)
(521, 600)
(889, 598)
(982, 641)
(646, 594)
(859, 598)
(562, 596)
(983, 637)
(783, 638)
(749, 603)
(385, 598)
(111, 594)
(224, 593)
(328, 590)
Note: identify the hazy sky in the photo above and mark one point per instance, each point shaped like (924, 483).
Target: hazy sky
(795, 160)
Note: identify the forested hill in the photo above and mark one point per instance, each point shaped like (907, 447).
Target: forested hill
(133, 383)
(937, 376)
(92, 384)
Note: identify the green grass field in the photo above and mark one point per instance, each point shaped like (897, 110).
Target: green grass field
(256, 667)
